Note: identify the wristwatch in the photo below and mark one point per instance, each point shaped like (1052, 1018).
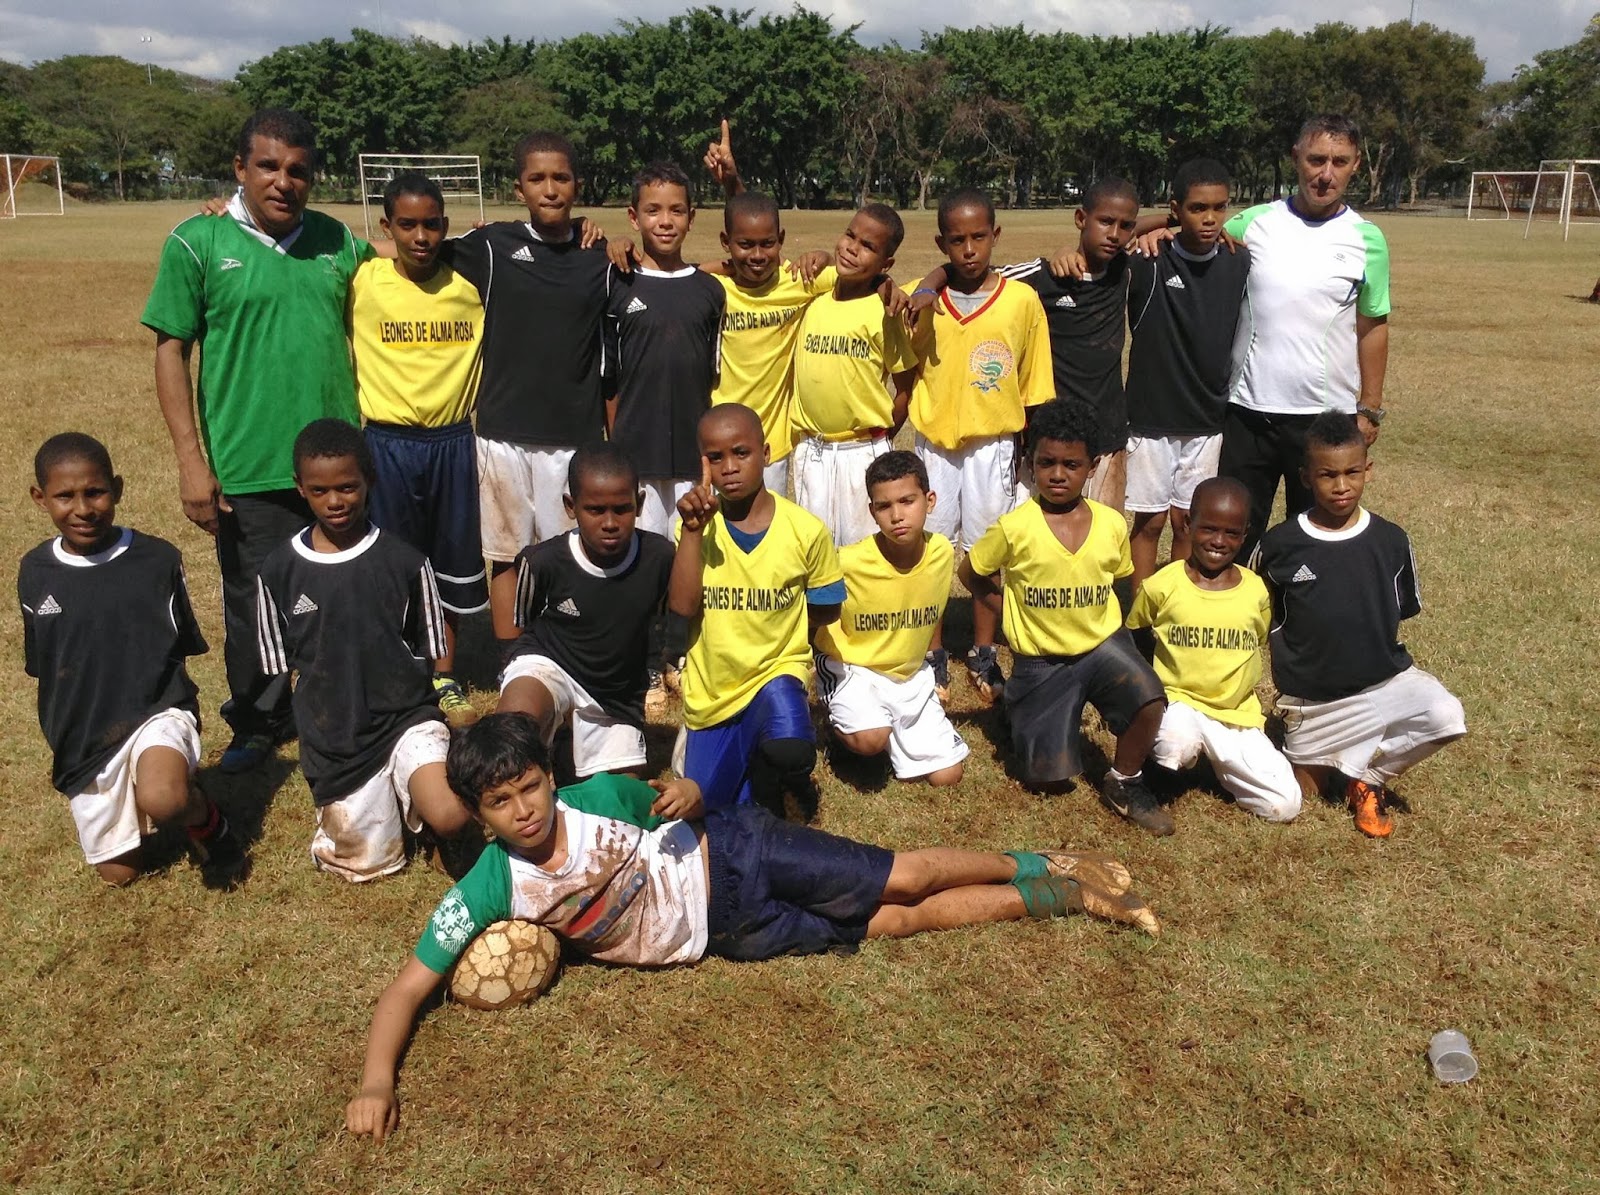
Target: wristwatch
(1373, 415)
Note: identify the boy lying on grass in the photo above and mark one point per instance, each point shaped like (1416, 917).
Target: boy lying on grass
(635, 873)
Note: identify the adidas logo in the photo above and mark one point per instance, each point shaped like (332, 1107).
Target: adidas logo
(523, 254)
(1303, 573)
(49, 605)
(636, 306)
(304, 606)
(1176, 283)
(230, 263)
(568, 607)
(1065, 301)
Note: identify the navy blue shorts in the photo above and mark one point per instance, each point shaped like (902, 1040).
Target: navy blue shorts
(778, 888)
(1045, 696)
(718, 757)
(427, 494)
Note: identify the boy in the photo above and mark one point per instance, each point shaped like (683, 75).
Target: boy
(612, 868)
(666, 319)
(1342, 579)
(106, 627)
(1183, 310)
(1204, 618)
(849, 347)
(1086, 315)
(985, 359)
(1060, 554)
(416, 332)
(586, 601)
(754, 575)
(354, 611)
(872, 670)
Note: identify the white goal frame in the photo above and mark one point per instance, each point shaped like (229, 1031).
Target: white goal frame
(1569, 172)
(13, 167)
(1499, 178)
(460, 176)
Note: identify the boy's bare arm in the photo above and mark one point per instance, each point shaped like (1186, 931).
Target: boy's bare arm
(696, 509)
(819, 616)
(198, 489)
(375, 1109)
(983, 589)
(903, 383)
(719, 161)
(927, 292)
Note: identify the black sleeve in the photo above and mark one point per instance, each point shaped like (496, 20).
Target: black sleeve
(531, 586)
(468, 256)
(30, 649)
(1406, 591)
(611, 336)
(270, 628)
(191, 642)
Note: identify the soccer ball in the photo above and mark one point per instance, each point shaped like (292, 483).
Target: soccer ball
(509, 963)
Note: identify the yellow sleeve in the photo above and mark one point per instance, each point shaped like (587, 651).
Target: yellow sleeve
(898, 354)
(990, 553)
(822, 560)
(1124, 560)
(1037, 376)
(1145, 606)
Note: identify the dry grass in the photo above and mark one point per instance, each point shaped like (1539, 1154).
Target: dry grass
(168, 1037)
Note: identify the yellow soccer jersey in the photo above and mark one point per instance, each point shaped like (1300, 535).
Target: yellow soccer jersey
(1057, 603)
(759, 330)
(980, 371)
(848, 350)
(1207, 641)
(418, 347)
(752, 625)
(888, 617)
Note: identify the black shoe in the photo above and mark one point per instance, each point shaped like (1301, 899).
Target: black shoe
(1130, 799)
(221, 855)
(983, 670)
(939, 660)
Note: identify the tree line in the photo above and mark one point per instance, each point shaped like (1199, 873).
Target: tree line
(820, 117)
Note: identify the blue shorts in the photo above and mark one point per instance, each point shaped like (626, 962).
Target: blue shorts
(778, 888)
(427, 493)
(718, 757)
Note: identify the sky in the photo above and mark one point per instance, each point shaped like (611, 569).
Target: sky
(213, 37)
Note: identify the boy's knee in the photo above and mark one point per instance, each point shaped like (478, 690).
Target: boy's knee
(121, 871)
(1277, 806)
(946, 777)
(788, 757)
(865, 742)
(1149, 525)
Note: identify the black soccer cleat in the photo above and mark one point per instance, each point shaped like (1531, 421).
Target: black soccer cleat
(1132, 801)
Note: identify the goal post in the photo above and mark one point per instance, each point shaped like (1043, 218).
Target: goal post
(44, 170)
(1500, 194)
(459, 176)
(1565, 188)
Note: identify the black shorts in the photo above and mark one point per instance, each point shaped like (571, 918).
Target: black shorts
(427, 493)
(778, 888)
(1045, 695)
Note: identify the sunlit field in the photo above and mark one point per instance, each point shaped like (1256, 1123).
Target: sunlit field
(169, 1037)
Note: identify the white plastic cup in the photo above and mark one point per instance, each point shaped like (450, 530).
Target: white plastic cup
(1450, 1055)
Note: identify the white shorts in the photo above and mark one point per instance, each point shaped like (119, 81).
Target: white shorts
(830, 480)
(519, 496)
(976, 484)
(1108, 484)
(1163, 470)
(921, 739)
(660, 510)
(1375, 734)
(600, 743)
(1244, 759)
(108, 819)
(360, 836)
(776, 477)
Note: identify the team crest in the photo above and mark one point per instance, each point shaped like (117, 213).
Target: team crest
(452, 922)
(989, 365)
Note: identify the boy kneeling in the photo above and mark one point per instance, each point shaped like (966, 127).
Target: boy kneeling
(611, 868)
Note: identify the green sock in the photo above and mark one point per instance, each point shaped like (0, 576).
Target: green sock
(1051, 896)
(1029, 866)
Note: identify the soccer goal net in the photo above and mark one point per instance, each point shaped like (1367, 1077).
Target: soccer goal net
(32, 186)
(1566, 191)
(458, 175)
(1501, 194)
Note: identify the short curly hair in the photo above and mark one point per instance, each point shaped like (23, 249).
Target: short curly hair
(1067, 420)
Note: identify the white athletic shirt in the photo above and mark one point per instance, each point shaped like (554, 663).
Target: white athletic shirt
(1294, 352)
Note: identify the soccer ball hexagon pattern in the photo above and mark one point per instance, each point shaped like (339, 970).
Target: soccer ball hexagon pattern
(509, 963)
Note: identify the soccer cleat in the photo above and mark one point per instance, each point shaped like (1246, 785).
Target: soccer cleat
(1367, 803)
(672, 677)
(656, 700)
(217, 849)
(983, 670)
(246, 753)
(1130, 799)
(453, 702)
(1092, 867)
(939, 660)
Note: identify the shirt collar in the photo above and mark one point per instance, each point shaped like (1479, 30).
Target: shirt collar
(246, 221)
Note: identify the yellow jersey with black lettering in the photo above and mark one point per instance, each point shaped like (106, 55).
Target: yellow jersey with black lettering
(1207, 641)
(418, 346)
(752, 626)
(981, 371)
(847, 352)
(759, 331)
(1057, 603)
(888, 617)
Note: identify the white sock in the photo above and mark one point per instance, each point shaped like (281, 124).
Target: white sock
(1116, 775)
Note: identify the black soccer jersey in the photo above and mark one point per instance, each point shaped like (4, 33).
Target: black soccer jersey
(362, 627)
(1087, 318)
(1182, 313)
(594, 622)
(543, 343)
(668, 333)
(1337, 602)
(106, 636)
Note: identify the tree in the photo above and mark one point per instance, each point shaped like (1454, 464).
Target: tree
(490, 119)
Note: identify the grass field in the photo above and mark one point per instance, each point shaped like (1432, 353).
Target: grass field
(167, 1037)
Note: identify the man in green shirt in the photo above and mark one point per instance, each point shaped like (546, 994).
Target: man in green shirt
(263, 291)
